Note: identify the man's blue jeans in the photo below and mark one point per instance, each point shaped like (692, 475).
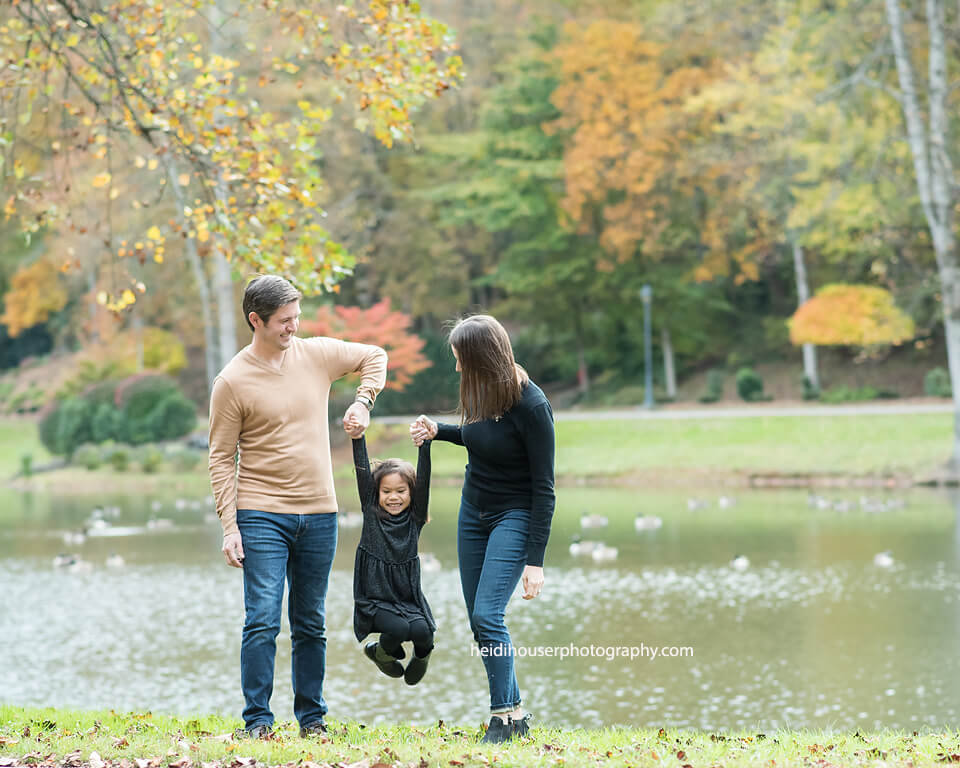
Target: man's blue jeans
(492, 548)
(300, 549)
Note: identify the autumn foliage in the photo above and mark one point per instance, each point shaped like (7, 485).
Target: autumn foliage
(104, 100)
(377, 325)
(850, 315)
(36, 292)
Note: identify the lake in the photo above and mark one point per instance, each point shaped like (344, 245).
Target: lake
(812, 632)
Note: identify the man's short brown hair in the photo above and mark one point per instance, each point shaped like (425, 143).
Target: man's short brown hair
(265, 294)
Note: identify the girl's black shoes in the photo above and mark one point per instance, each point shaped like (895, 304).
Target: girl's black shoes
(499, 731)
(416, 669)
(388, 664)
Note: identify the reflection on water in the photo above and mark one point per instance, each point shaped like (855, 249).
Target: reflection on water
(810, 633)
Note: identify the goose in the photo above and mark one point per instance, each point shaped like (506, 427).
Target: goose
(593, 521)
(694, 504)
(156, 506)
(115, 561)
(63, 560)
(647, 523)
(429, 562)
(602, 552)
(883, 559)
(159, 523)
(740, 563)
(580, 547)
(726, 502)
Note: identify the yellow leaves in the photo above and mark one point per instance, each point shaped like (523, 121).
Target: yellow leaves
(154, 234)
(73, 40)
(855, 315)
(36, 292)
(183, 179)
(100, 180)
(10, 209)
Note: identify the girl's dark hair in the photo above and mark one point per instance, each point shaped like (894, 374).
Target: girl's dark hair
(488, 371)
(265, 294)
(394, 466)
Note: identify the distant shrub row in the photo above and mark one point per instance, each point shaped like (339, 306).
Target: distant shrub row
(750, 388)
(137, 410)
(150, 458)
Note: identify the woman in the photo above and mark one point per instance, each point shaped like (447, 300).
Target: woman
(507, 502)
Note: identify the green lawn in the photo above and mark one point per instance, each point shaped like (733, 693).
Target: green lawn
(49, 737)
(852, 444)
(608, 448)
(17, 437)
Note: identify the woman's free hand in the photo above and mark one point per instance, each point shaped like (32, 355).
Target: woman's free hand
(422, 429)
(532, 581)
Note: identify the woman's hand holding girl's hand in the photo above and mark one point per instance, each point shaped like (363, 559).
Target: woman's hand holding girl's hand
(532, 581)
(422, 429)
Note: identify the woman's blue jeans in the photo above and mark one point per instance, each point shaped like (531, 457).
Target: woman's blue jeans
(492, 548)
(298, 549)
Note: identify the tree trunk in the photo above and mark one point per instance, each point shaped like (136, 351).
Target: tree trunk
(222, 276)
(803, 294)
(669, 371)
(583, 375)
(934, 174)
(199, 276)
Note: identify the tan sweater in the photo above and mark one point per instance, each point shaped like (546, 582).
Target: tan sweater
(277, 417)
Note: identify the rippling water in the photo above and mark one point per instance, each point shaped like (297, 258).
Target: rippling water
(812, 633)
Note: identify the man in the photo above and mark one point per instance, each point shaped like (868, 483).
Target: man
(276, 502)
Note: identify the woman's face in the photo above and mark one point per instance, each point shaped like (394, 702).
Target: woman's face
(456, 357)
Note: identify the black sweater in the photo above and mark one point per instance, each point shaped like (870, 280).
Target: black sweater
(510, 464)
(386, 571)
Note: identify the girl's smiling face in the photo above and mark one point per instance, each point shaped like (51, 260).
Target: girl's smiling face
(394, 493)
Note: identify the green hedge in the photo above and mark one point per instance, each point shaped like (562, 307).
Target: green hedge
(141, 409)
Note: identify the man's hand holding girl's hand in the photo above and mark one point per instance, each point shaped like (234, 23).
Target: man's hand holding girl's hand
(356, 420)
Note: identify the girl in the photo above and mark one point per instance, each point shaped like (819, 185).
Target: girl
(386, 576)
(507, 502)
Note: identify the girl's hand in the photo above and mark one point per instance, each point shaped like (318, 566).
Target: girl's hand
(422, 429)
(532, 581)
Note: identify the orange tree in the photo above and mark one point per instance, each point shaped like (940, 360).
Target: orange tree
(377, 325)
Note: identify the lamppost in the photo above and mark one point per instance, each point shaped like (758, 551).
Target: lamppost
(646, 294)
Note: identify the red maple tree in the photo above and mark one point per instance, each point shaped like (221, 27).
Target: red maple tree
(377, 325)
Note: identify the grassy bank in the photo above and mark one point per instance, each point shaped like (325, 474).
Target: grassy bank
(853, 444)
(661, 451)
(48, 737)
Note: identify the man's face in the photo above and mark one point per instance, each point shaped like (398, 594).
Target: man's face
(282, 327)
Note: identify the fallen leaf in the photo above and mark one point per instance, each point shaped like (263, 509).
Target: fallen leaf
(8, 740)
(183, 762)
(96, 761)
(6, 762)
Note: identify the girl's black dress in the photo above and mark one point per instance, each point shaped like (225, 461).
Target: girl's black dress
(386, 573)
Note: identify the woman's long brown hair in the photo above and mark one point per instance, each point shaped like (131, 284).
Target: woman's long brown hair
(488, 372)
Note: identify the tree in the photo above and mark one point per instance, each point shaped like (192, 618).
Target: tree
(929, 137)
(124, 96)
(377, 325)
(851, 315)
(36, 292)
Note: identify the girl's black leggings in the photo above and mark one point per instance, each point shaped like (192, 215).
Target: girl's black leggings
(395, 629)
